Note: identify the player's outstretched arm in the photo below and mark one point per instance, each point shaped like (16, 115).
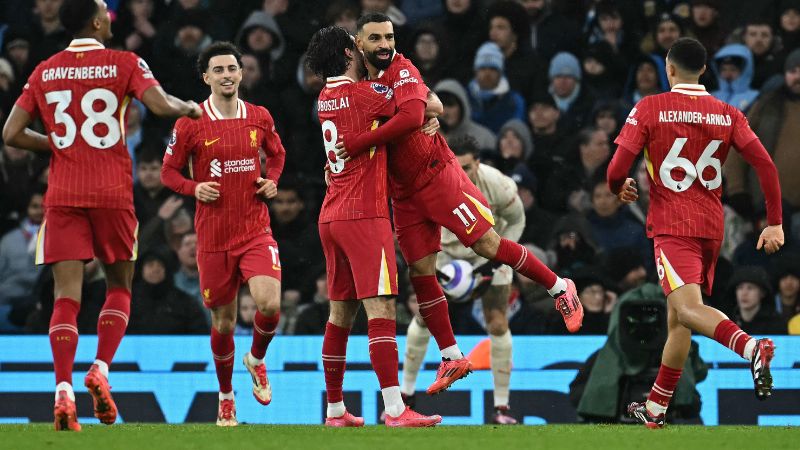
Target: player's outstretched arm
(17, 134)
(165, 105)
(771, 239)
(408, 119)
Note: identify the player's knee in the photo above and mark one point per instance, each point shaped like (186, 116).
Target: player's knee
(497, 327)
(224, 326)
(683, 314)
(487, 245)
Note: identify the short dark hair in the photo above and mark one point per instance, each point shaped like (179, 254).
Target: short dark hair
(688, 54)
(217, 49)
(465, 145)
(370, 18)
(75, 15)
(325, 54)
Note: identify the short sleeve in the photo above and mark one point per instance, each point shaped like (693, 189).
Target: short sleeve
(27, 100)
(635, 133)
(180, 146)
(741, 134)
(141, 78)
(407, 84)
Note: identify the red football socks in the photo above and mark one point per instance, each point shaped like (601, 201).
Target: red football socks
(223, 349)
(383, 351)
(263, 332)
(730, 335)
(433, 309)
(112, 323)
(664, 387)
(334, 349)
(520, 259)
(64, 337)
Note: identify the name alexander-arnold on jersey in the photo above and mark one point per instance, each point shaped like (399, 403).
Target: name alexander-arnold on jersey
(333, 104)
(694, 117)
(79, 73)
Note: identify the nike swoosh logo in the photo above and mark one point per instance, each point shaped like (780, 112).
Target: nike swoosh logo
(207, 142)
(469, 230)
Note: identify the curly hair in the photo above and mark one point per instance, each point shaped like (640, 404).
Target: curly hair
(325, 55)
(217, 49)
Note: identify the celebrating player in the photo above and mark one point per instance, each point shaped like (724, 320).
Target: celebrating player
(355, 230)
(235, 242)
(81, 95)
(686, 134)
(501, 193)
(429, 190)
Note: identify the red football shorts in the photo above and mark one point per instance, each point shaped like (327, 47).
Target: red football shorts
(359, 257)
(684, 260)
(449, 200)
(221, 273)
(82, 234)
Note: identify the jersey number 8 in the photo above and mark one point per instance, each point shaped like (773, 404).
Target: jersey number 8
(62, 99)
(330, 135)
(693, 171)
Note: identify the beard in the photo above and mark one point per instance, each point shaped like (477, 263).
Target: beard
(380, 64)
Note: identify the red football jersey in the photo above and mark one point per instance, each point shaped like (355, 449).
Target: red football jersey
(686, 135)
(81, 95)
(358, 188)
(416, 158)
(227, 151)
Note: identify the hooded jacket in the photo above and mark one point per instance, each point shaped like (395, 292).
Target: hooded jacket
(736, 93)
(262, 20)
(523, 133)
(467, 127)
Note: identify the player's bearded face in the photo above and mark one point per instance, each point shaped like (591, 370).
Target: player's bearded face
(377, 43)
(381, 58)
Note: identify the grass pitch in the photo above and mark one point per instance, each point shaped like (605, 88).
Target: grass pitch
(594, 437)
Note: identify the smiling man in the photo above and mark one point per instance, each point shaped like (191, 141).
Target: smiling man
(234, 239)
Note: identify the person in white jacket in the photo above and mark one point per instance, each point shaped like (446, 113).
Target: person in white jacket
(493, 281)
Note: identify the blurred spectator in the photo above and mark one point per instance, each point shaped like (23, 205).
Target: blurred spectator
(300, 126)
(297, 236)
(625, 268)
(514, 146)
(572, 244)
(538, 222)
(47, 35)
(608, 27)
(551, 32)
(639, 208)
(491, 97)
(790, 24)
(290, 301)
(254, 87)
(19, 173)
(175, 60)
(419, 10)
(567, 188)
(260, 36)
(312, 316)
(759, 36)
(773, 117)
(427, 54)
(136, 25)
(509, 29)
(647, 77)
(786, 272)
(668, 29)
(549, 138)
(456, 120)
(704, 23)
(608, 115)
(7, 93)
(18, 274)
(733, 66)
(18, 50)
(460, 20)
(247, 312)
(755, 314)
(343, 13)
(603, 71)
(187, 277)
(157, 307)
(613, 227)
(573, 100)
(134, 133)
(148, 193)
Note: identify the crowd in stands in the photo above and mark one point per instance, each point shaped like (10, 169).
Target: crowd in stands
(543, 86)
